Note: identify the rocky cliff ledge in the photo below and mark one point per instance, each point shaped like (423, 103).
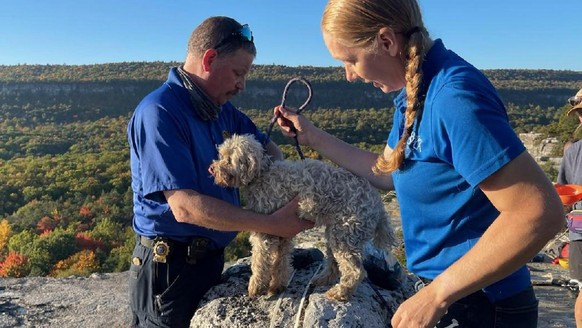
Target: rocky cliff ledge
(543, 150)
(101, 300)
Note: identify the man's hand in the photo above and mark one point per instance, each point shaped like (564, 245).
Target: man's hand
(288, 224)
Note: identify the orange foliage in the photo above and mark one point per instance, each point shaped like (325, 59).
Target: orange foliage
(81, 263)
(45, 233)
(84, 241)
(46, 224)
(14, 266)
(85, 212)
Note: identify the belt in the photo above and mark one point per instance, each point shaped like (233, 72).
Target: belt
(197, 249)
(147, 242)
(425, 281)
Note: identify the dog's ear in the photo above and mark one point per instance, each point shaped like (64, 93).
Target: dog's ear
(253, 159)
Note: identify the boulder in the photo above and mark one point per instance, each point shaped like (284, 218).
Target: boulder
(304, 305)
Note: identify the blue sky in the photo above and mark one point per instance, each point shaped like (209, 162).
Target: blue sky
(530, 34)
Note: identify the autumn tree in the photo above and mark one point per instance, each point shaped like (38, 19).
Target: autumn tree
(119, 257)
(81, 264)
(85, 241)
(46, 223)
(14, 266)
(5, 234)
(43, 252)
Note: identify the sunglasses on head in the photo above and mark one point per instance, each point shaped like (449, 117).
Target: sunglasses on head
(244, 33)
(575, 101)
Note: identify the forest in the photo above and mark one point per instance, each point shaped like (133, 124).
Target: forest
(66, 204)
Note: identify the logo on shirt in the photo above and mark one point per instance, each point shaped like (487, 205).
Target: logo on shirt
(414, 142)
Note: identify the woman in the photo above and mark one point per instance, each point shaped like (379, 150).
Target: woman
(475, 206)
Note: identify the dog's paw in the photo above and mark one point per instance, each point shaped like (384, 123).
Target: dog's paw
(276, 290)
(253, 293)
(256, 290)
(337, 293)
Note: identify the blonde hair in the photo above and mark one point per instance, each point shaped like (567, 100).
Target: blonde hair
(355, 24)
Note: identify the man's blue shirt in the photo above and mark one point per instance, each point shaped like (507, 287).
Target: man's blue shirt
(461, 137)
(172, 148)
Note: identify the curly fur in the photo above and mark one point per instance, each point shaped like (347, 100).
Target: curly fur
(348, 206)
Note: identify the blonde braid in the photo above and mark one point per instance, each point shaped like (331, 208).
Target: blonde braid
(416, 51)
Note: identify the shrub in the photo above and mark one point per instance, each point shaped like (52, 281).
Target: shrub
(15, 265)
(238, 248)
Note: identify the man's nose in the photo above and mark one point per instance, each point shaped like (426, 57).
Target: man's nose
(241, 85)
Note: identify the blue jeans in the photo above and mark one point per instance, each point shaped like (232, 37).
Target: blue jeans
(475, 311)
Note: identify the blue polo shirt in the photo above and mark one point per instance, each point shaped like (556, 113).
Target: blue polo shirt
(462, 137)
(172, 148)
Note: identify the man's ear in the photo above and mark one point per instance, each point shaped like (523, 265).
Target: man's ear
(208, 58)
(388, 41)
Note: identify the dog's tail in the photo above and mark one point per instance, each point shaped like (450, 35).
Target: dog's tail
(384, 237)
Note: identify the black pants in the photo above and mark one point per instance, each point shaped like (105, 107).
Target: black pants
(475, 311)
(167, 294)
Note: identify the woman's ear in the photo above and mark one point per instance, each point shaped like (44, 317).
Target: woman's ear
(388, 41)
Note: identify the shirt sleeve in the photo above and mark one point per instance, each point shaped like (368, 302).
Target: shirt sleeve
(474, 133)
(163, 149)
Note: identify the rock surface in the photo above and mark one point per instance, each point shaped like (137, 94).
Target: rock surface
(302, 304)
(543, 150)
(101, 301)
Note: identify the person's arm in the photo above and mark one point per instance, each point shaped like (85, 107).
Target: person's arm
(531, 213)
(191, 207)
(355, 160)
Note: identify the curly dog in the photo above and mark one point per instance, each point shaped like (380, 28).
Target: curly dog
(347, 205)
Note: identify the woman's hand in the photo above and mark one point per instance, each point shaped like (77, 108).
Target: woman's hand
(294, 125)
(421, 310)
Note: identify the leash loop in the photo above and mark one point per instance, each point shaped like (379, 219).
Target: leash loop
(286, 91)
(299, 110)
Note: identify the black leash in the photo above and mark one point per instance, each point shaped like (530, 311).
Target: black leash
(301, 108)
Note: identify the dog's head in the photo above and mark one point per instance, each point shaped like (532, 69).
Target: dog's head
(241, 158)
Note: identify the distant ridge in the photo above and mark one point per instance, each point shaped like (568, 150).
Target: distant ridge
(533, 97)
(157, 70)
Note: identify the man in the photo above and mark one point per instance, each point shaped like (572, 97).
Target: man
(571, 173)
(182, 219)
